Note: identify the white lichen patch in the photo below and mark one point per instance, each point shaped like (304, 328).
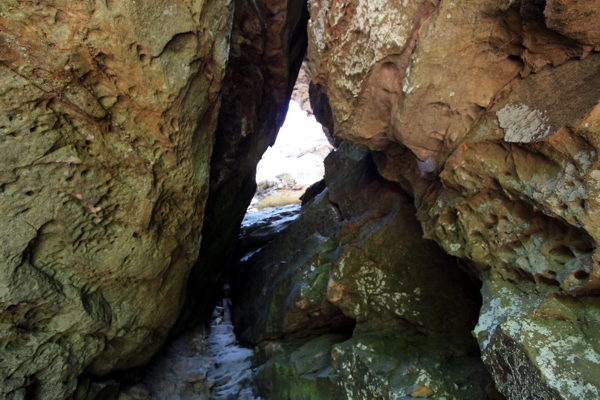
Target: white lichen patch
(585, 159)
(522, 124)
(454, 247)
(594, 178)
(342, 265)
(504, 306)
(564, 357)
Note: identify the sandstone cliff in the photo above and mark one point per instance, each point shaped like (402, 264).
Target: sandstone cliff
(129, 137)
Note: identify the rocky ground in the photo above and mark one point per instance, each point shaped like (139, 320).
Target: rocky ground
(203, 363)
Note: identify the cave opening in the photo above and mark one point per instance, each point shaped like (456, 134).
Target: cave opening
(293, 163)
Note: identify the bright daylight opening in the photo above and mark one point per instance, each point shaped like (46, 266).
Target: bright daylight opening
(293, 163)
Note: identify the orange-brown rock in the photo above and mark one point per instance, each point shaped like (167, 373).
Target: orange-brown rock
(487, 112)
(300, 94)
(108, 113)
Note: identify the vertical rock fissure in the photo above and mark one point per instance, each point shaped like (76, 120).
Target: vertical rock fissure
(263, 65)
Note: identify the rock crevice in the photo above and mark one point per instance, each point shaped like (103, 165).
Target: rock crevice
(129, 138)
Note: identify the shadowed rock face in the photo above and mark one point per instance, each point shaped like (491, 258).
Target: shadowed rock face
(108, 112)
(268, 43)
(486, 113)
(352, 285)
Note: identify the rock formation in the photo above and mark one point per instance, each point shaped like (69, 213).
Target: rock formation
(352, 284)
(268, 43)
(487, 114)
(129, 137)
(301, 93)
(106, 130)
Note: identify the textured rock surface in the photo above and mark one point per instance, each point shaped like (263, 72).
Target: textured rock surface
(106, 129)
(486, 112)
(301, 89)
(357, 249)
(300, 369)
(268, 43)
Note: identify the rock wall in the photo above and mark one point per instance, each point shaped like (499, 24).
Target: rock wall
(300, 94)
(121, 168)
(488, 114)
(108, 113)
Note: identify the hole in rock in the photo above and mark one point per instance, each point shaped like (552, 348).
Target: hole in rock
(293, 163)
(284, 173)
(580, 274)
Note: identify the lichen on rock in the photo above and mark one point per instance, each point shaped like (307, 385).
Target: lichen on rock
(357, 249)
(493, 132)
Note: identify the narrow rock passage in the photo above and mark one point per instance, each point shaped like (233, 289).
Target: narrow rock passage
(200, 365)
(231, 368)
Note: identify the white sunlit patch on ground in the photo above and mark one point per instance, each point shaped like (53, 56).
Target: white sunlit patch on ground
(293, 163)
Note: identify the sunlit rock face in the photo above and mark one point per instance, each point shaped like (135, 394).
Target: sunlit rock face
(487, 113)
(300, 94)
(108, 113)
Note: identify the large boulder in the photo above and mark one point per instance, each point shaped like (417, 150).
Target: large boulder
(108, 113)
(487, 113)
(279, 290)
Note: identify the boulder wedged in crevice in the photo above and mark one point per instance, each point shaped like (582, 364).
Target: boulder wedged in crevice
(268, 44)
(355, 257)
(260, 227)
(278, 290)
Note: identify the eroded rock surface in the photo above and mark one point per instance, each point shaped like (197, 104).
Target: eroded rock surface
(481, 117)
(301, 89)
(106, 129)
(486, 113)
